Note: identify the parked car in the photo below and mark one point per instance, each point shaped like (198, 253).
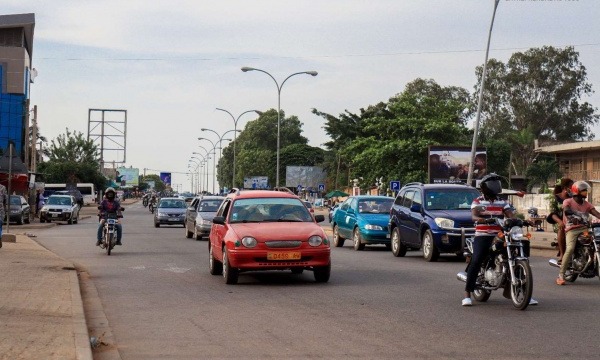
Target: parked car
(199, 215)
(170, 211)
(60, 208)
(259, 230)
(75, 193)
(364, 219)
(432, 217)
(20, 211)
(309, 206)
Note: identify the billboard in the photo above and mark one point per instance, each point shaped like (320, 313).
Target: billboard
(450, 164)
(256, 182)
(307, 177)
(166, 178)
(127, 176)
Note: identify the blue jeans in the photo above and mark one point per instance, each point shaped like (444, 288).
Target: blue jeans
(481, 250)
(118, 227)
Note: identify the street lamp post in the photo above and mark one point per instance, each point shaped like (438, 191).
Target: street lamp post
(279, 87)
(214, 144)
(205, 158)
(480, 102)
(220, 138)
(235, 121)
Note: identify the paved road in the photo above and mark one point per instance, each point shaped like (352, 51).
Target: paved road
(161, 302)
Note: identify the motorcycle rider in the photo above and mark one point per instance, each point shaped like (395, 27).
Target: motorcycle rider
(561, 192)
(485, 210)
(574, 209)
(110, 205)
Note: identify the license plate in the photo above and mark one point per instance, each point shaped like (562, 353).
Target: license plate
(173, 219)
(54, 215)
(284, 256)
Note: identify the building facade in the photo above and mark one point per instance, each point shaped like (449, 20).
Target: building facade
(16, 47)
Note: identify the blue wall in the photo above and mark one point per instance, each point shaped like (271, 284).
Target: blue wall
(12, 119)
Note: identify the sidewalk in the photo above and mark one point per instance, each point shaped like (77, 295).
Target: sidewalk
(41, 310)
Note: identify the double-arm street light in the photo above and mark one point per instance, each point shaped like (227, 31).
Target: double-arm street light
(203, 161)
(199, 164)
(214, 144)
(312, 73)
(221, 137)
(235, 121)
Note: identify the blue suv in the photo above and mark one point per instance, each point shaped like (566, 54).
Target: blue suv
(432, 217)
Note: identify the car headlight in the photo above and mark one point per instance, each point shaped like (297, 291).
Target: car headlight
(249, 242)
(444, 223)
(516, 232)
(315, 240)
(15, 211)
(373, 227)
(161, 214)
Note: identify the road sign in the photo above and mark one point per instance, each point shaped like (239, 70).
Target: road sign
(395, 185)
(321, 187)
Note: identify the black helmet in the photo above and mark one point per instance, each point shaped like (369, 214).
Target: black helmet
(491, 185)
(110, 193)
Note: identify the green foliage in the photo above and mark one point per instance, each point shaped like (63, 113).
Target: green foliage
(72, 159)
(498, 156)
(159, 185)
(540, 172)
(536, 95)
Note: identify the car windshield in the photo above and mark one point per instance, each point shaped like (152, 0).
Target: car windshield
(209, 205)
(269, 210)
(375, 206)
(450, 199)
(15, 200)
(172, 204)
(59, 200)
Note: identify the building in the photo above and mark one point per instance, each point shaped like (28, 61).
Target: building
(578, 161)
(16, 74)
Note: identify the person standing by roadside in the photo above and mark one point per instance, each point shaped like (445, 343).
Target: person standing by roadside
(561, 192)
(39, 202)
(3, 204)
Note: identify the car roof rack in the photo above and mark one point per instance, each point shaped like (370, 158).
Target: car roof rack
(414, 183)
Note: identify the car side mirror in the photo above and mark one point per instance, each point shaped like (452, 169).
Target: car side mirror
(319, 218)
(219, 220)
(415, 208)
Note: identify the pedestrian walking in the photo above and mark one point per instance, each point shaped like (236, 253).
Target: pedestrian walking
(3, 205)
(39, 202)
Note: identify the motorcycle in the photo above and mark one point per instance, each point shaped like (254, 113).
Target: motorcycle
(586, 257)
(506, 267)
(109, 231)
(152, 205)
(145, 201)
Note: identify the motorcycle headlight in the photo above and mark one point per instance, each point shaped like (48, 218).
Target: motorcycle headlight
(444, 223)
(516, 232)
(373, 227)
(315, 240)
(249, 242)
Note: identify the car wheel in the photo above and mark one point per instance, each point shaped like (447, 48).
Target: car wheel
(214, 265)
(70, 222)
(21, 219)
(197, 235)
(230, 275)
(188, 234)
(322, 273)
(28, 220)
(357, 239)
(338, 241)
(430, 251)
(42, 221)
(156, 225)
(398, 248)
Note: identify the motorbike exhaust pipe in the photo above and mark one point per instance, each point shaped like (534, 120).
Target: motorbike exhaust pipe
(462, 276)
(553, 262)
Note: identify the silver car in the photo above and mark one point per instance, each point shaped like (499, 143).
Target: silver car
(170, 211)
(199, 215)
(60, 208)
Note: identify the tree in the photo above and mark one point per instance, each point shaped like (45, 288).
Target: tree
(159, 185)
(540, 172)
(537, 94)
(72, 159)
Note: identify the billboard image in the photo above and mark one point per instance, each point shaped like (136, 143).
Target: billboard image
(127, 176)
(450, 164)
(256, 182)
(307, 177)
(166, 178)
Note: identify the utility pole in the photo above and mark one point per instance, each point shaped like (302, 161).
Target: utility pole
(34, 141)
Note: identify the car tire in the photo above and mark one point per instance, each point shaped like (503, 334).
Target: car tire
(430, 251)
(21, 219)
(357, 240)
(28, 220)
(188, 234)
(215, 266)
(322, 273)
(398, 248)
(338, 241)
(230, 274)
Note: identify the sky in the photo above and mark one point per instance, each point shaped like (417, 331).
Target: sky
(171, 63)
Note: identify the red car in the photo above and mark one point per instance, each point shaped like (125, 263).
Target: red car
(259, 230)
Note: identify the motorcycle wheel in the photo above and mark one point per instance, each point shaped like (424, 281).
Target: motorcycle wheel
(481, 295)
(109, 244)
(570, 276)
(520, 292)
(598, 265)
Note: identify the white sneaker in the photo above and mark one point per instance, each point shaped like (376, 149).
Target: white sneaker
(467, 302)
(533, 301)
